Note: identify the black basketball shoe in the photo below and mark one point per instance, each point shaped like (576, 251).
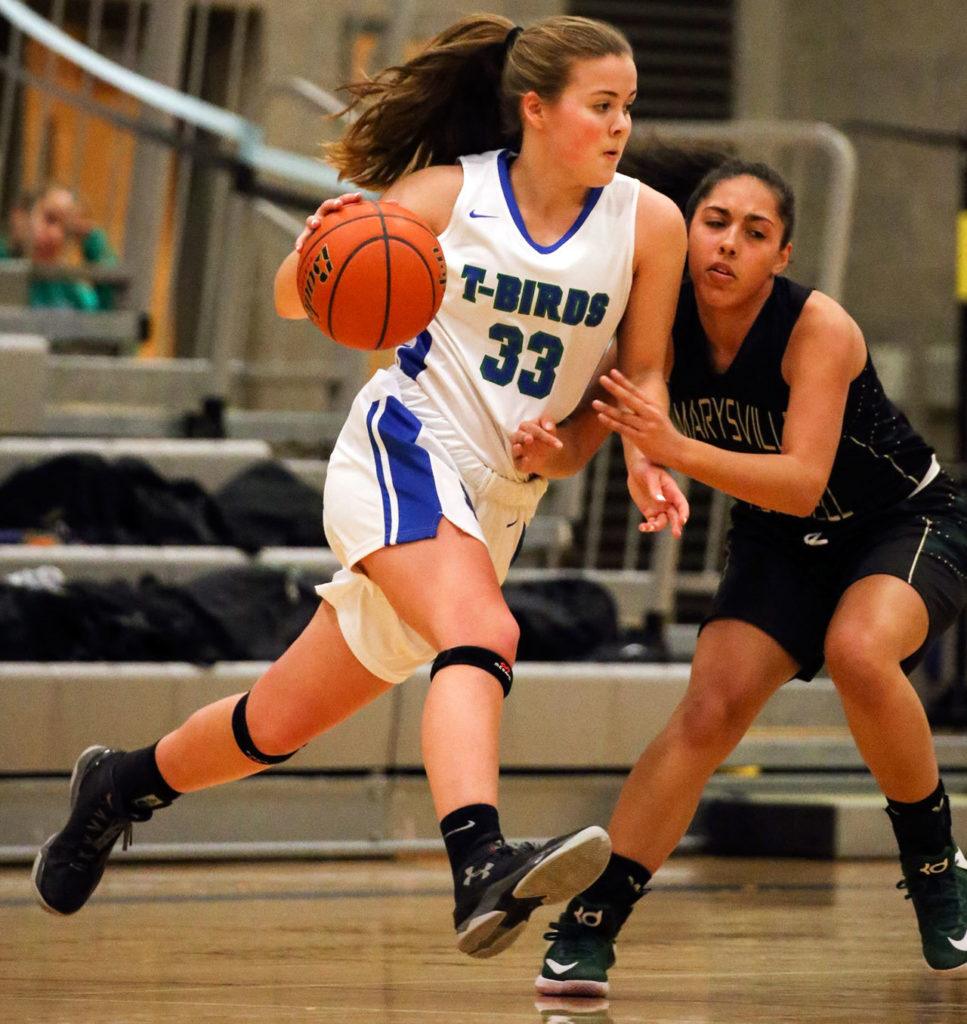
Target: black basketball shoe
(70, 864)
(503, 883)
(933, 884)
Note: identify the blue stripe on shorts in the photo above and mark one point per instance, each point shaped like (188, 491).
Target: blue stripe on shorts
(411, 475)
(378, 459)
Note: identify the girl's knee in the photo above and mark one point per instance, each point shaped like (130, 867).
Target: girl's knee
(857, 659)
(715, 717)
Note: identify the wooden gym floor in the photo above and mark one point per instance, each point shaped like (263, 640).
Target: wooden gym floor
(368, 942)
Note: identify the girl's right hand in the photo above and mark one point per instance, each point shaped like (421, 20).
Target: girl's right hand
(329, 206)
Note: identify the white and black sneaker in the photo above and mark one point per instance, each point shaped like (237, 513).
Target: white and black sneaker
(503, 883)
(70, 864)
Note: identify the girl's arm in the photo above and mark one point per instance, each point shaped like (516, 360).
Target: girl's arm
(826, 353)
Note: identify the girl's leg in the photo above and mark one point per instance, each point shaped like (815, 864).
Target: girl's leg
(446, 589)
(736, 669)
(880, 621)
(313, 686)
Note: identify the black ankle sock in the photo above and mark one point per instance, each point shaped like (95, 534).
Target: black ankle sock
(467, 828)
(620, 885)
(923, 826)
(140, 783)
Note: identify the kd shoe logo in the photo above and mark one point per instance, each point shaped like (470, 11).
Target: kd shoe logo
(589, 918)
(936, 869)
(815, 540)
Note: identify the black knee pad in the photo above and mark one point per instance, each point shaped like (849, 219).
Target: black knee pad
(244, 738)
(478, 657)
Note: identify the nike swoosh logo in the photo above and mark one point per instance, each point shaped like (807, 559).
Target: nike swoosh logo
(462, 828)
(564, 968)
(960, 944)
(477, 216)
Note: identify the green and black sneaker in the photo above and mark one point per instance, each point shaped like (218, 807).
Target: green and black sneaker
(939, 893)
(582, 950)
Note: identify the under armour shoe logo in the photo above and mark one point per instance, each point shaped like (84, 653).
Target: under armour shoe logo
(635, 886)
(814, 540)
(589, 918)
(936, 869)
(472, 873)
(149, 800)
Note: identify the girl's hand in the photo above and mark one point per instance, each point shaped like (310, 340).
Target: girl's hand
(329, 206)
(639, 421)
(671, 509)
(532, 444)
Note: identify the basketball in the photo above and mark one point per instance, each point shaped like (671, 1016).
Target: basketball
(372, 275)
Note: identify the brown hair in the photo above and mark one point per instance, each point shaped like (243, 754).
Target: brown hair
(462, 93)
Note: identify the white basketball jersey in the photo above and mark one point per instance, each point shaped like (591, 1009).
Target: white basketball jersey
(522, 326)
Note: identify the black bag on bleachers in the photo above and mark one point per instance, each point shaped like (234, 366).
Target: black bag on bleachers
(87, 499)
(259, 609)
(90, 621)
(247, 614)
(268, 506)
(561, 619)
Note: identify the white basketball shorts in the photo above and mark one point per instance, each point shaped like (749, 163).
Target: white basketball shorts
(389, 481)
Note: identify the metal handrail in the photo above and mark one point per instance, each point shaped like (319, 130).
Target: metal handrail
(244, 134)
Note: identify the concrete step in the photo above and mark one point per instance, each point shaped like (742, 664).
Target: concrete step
(111, 333)
(210, 463)
(827, 816)
(310, 431)
(181, 384)
(565, 716)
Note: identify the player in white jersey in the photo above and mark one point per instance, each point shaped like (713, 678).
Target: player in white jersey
(550, 255)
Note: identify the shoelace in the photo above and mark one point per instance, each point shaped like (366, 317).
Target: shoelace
(100, 832)
(937, 895)
(577, 938)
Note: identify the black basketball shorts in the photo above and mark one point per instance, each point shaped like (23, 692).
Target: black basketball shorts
(786, 578)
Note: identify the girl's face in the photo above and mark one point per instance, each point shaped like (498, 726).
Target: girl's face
(586, 128)
(734, 242)
(50, 221)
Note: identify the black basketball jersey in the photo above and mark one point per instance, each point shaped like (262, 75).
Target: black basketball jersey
(880, 460)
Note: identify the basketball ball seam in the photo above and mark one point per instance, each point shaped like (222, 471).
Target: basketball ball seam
(423, 260)
(389, 278)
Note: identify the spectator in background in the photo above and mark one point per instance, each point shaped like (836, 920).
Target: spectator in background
(50, 228)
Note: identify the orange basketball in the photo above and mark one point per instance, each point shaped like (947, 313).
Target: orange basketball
(371, 275)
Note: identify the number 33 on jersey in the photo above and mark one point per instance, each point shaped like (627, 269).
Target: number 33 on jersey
(528, 323)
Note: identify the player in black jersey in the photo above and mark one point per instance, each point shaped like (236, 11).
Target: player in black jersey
(848, 545)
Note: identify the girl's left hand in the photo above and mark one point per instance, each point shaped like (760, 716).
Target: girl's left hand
(327, 206)
(640, 421)
(532, 444)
